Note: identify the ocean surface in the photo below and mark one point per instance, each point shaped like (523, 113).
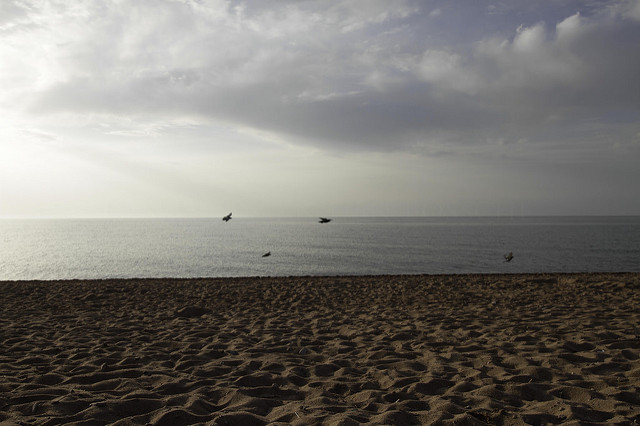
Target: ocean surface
(52, 249)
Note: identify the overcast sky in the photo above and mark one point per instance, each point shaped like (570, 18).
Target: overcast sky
(152, 108)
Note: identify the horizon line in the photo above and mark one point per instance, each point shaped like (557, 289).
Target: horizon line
(306, 217)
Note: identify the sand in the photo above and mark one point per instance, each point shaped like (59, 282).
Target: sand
(441, 349)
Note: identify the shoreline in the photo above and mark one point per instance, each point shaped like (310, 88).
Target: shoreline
(388, 349)
(358, 276)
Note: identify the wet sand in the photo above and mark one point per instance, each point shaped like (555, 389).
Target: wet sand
(441, 349)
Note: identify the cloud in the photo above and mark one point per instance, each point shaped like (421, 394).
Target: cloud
(529, 40)
(582, 65)
(10, 15)
(348, 76)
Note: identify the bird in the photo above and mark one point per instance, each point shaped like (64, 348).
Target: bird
(508, 257)
(267, 254)
(324, 220)
(227, 218)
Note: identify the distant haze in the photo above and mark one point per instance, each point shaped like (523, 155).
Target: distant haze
(155, 108)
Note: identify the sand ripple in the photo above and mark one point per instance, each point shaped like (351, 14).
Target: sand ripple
(467, 349)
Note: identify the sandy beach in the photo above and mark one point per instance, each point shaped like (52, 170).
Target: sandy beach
(440, 349)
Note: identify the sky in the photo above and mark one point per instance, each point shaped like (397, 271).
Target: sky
(198, 108)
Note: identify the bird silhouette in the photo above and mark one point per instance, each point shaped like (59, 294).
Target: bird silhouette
(324, 220)
(227, 218)
(508, 257)
(267, 254)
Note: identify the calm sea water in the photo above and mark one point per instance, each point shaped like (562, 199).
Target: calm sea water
(127, 248)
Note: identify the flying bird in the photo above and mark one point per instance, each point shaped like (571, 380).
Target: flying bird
(267, 254)
(508, 257)
(227, 218)
(324, 220)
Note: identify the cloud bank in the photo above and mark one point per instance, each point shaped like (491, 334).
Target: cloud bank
(338, 76)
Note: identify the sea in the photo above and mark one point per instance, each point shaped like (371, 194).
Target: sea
(55, 249)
